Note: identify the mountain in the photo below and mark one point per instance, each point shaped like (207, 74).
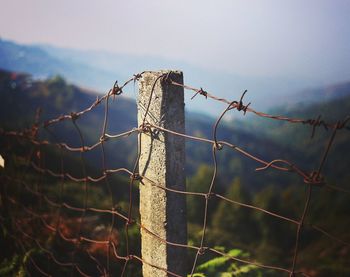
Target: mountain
(265, 138)
(99, 70)
(324, 94)
(327, 93)
(333, 107)
(22, 96)
(273, 241)
(41, 64)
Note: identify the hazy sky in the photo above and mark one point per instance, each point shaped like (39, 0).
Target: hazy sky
(306, 39)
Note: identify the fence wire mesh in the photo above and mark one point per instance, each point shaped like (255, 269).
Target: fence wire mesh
(38, 200)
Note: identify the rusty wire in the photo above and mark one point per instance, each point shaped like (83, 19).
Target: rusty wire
(310, 179)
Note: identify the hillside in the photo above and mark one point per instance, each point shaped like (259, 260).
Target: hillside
(99, 69)
(55, 97)
(334, 107)
(23, 95)
(229, 226)
(41, 64)
(322, 94)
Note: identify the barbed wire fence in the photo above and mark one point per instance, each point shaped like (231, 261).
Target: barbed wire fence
(51, 216)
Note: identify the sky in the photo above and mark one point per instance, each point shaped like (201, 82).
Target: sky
(273, 38)
(272, 48)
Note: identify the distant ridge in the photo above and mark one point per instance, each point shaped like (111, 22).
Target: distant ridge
(99, 70)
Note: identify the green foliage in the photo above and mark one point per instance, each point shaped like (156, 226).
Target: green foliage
(225, 266)
(9, 266)
(235, 224)
(276, 236)
(200, 182)
(16, 265)
(267, 239)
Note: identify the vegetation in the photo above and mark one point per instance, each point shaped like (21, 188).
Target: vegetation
(238, 231)
(225, 267)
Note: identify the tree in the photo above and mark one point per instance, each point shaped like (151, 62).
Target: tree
(278, 236)
(235, 223)
(200, 182)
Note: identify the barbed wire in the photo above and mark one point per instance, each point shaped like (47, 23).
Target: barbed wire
(53, 224)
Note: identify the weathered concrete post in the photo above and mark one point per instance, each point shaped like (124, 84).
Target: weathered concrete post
(162, 160)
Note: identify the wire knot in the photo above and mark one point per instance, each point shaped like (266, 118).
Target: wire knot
(136, 177)
(218, 146)
(201, 251)
(201, 91)
(74, 116)
(209, 195)
(137, 76)
(145, 128)
(240, 106)
(341, 124)
(116, 90)
(103, 138)
(315, 123)
(166, 79)
(314, 179)
(129, 257)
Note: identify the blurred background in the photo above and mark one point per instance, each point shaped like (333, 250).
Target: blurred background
(293, 58)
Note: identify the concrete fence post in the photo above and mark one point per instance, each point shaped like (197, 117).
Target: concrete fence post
(162, 160)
